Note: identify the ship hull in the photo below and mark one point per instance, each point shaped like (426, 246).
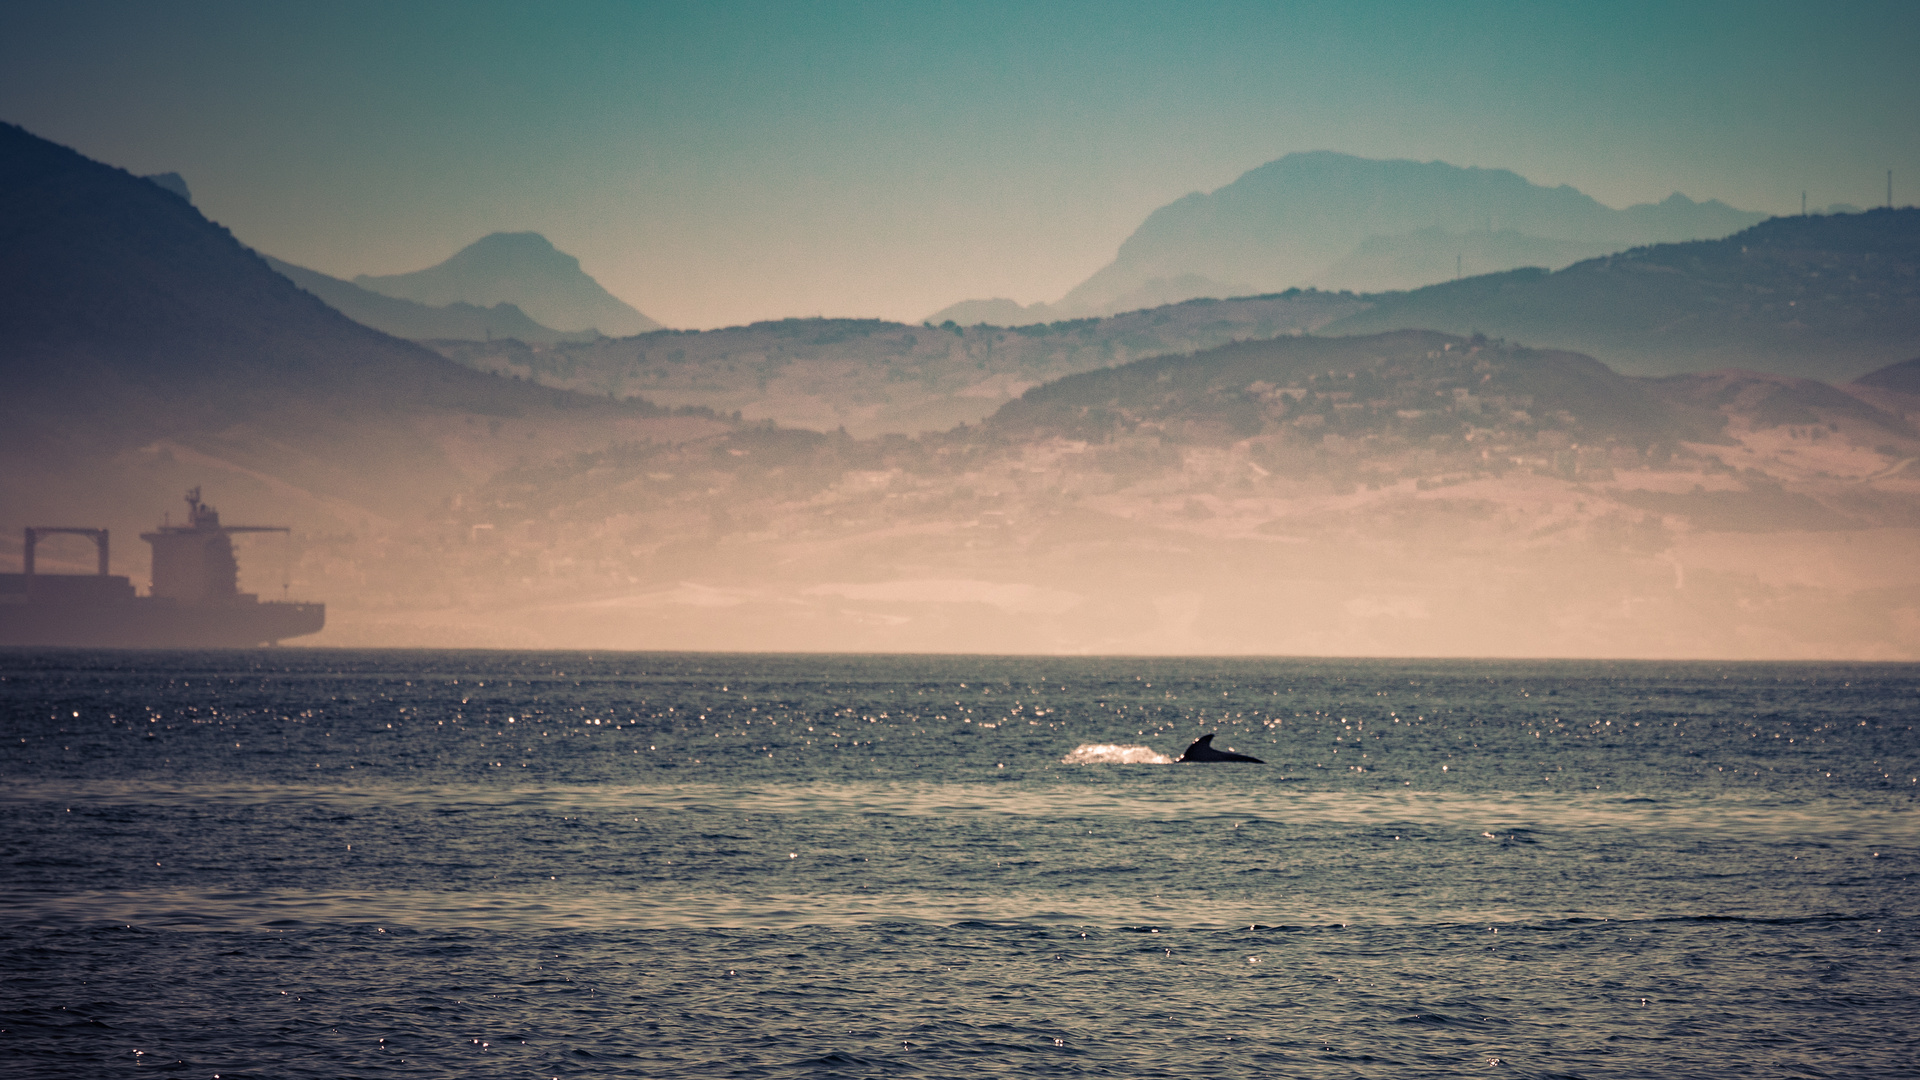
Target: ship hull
(148, 623)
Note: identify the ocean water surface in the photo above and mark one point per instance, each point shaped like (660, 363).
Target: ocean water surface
(293, 863)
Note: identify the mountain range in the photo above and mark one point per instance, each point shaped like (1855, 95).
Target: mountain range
(1335, 221)
(145, 349)
(872, 377)
(488, 268)
(1826, 297)
(1410, 492)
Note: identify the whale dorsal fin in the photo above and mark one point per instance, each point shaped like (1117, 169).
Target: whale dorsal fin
(1203, 750)
(1200, 748)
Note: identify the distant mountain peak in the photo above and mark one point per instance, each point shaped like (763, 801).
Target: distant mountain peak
(498, 246)
(417, 321)
(1332, 220)
(523, 269)
(171, 181)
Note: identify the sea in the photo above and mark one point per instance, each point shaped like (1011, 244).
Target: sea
(309, 863)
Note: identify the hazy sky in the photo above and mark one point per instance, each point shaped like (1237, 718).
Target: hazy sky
(714, 163)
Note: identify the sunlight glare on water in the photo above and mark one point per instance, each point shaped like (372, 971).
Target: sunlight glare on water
(948, 866)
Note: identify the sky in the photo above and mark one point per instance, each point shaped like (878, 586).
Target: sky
(715, 163)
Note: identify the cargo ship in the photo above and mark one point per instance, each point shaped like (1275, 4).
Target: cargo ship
(195, 602)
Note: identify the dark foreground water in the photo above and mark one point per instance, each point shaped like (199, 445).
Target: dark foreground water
(334, 864)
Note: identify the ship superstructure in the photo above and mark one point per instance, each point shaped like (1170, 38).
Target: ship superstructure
(195, 601)
(194, 563)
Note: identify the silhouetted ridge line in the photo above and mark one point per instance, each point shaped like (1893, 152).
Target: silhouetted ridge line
(131, 321)
(423, 322)
(523, 269)
(1339, 222)
(1903, 377)
(1823, 297)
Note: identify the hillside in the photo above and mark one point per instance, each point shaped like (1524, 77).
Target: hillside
(1152, 293)
(1407, 493)
(1823, 297)
(146, 351)
(417, 321)
(872, 377)
(1401, 494)
(1412, 389)
(1335, 221)
(522, 269)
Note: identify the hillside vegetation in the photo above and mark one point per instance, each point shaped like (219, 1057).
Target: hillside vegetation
(1823, 297)
(1410, 493)
(872, 377)
(1827, 297)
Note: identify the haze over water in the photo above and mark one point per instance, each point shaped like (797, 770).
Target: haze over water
(465, 864)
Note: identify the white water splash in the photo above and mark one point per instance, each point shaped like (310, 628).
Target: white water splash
(1115, 754)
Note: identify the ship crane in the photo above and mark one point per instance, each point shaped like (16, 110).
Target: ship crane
(35, 532)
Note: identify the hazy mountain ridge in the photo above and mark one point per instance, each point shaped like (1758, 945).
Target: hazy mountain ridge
(871, 376)
(1336, 221)
(420, 322)
(423, 321)
(1418, 258)
(522, 269)
(405, 318)
(1154, 292)
(1401, 494)
(1903, 377)
(171, 181)
(1824, 297)
(147, 350)
(1415, 386)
